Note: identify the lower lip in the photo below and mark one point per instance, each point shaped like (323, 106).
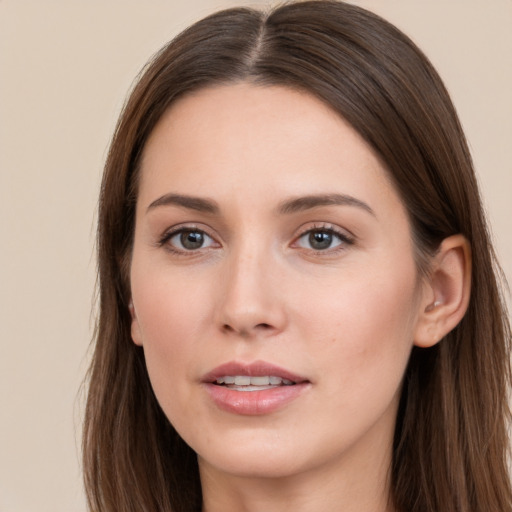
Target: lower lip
(254, 403)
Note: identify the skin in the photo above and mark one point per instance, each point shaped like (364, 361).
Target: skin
(345, 317)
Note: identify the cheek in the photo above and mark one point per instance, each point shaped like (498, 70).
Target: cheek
(169, 315)
(169, 304)
(365, 325)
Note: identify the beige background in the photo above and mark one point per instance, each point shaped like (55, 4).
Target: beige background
(64, 70)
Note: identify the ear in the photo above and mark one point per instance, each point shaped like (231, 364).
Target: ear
(447, 292)
(135, 327)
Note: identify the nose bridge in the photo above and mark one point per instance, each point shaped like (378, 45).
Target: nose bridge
(250, 300)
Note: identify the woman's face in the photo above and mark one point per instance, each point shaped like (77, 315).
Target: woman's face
(273, 282)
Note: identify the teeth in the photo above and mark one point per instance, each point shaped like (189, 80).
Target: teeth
(251, 388)
(260, 381)
(245, 380)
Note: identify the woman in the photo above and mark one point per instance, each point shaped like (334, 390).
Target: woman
(299, 306)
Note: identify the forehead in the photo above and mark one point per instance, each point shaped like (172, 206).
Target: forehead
(252, 140)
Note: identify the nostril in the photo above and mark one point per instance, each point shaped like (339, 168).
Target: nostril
(263, 326)
(244, 332)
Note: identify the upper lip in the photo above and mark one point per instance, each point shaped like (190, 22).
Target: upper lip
(253, 369)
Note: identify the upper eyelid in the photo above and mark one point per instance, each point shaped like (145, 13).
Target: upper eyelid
(327, 226)
(187, 227)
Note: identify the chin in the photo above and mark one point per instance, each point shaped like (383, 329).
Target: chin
(261, 465)
(272, 455)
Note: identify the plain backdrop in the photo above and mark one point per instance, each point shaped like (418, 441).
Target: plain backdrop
(65, 68)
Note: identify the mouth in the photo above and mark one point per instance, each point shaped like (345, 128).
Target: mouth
(258, 375)
(257, 388)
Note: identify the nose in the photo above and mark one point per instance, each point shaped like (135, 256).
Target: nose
(251, 301)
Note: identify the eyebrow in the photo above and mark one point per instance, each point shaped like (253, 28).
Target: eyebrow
(313, 201)
(288, 207)
(192, 203)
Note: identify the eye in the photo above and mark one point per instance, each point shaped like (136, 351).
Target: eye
(322, 239)
(187, 240)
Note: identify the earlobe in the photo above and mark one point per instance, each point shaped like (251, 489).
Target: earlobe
(135, 328)
(447, 292)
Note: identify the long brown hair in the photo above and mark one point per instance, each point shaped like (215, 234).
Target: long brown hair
(450, 449)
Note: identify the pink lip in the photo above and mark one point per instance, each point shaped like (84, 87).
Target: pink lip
(253, 403)
(254, 369)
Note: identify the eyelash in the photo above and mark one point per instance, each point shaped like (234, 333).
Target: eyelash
(344, 239)
(169, 235)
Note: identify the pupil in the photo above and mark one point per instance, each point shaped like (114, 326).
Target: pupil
(320, 239)
(192, 239)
